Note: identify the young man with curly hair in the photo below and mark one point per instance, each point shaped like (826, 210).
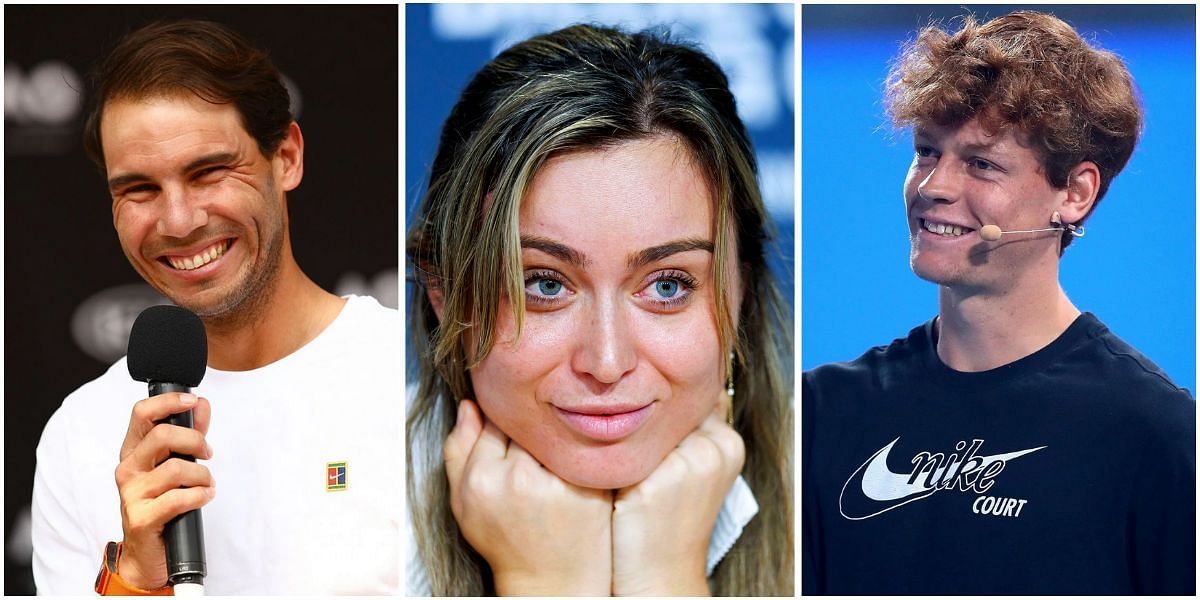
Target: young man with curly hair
(1013, 444)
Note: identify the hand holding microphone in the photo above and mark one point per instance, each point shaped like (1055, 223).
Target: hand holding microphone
(161, 486)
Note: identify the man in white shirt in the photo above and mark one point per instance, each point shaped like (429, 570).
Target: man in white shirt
(192, 128)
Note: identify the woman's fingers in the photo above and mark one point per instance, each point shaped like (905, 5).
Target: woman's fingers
(661, 525)
(492, 444)
(458, 446)
(539, 534)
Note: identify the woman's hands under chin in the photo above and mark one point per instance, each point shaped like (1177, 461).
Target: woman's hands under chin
(540, 534)
(661, 526)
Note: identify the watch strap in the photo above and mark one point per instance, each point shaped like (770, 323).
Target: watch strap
(109, 583)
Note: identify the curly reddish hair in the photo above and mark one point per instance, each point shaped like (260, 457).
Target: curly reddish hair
(1027, 70)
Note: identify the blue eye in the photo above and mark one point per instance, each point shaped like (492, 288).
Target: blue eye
(666, 288)
(546, 289)
(549, 287)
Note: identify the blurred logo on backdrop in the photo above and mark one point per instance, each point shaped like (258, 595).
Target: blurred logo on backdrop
(754, 44)
(43, 108)
(100, 325)
(293, 95)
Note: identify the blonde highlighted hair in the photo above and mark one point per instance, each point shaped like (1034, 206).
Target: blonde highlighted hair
(587, 87)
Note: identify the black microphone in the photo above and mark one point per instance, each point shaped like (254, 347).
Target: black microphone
(169, 350)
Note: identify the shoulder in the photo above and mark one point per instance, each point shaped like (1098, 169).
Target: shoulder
(879, 367)
(79, 443)
(96, 404)
(366, 313)
(1141, 386)
(1124, 387)
(1131, 363)
(364, 330)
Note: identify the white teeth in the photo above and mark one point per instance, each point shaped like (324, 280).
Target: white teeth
(199, 260)
(944, 229)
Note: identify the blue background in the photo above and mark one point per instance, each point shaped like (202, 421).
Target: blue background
(445, 44)
(1135, 269)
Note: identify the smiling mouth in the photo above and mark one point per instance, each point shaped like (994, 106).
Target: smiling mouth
(603, 411)
(191, 263)
(944, 229)
(606, 425)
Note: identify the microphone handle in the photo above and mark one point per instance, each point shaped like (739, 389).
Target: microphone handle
(183, 536)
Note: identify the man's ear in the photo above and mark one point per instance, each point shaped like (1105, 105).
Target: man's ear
(288, 161)
(1083, 183)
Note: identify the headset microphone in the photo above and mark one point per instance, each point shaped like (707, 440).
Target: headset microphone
(992, 233)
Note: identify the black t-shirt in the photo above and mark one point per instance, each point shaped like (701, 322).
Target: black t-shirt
(1069, 471)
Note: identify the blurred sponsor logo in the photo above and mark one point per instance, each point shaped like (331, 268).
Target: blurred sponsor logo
(294, 103)
(19, 545)
(101, 324)
(384, 287)
(41, 108)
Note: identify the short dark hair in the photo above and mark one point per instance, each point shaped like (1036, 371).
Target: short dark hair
(1031, 71)
(204, 58)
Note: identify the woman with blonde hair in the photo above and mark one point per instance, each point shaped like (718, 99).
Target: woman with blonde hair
(602, 354)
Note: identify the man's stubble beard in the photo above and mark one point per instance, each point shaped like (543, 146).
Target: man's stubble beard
(247, 302)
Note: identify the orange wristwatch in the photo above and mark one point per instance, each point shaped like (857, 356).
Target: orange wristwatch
(109, 583)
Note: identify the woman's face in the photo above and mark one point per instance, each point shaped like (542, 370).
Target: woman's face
(619, 358)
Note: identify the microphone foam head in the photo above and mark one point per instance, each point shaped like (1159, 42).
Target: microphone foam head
(990, 233)
(167, 344)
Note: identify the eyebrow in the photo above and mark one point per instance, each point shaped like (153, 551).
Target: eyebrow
(657, 253)
(926, 137)
(207, 159)
(210, 159)
(981, 147)
(560, 251)
(121, 180)
(638, 259)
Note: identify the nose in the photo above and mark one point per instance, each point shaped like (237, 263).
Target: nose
(605, 350)
(180, 213)
(940, 184)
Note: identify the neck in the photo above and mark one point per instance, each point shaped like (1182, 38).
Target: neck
(983, 330)
(291, 311)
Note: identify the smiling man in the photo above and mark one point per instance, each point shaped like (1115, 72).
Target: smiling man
(1013, 444)
(192, 128)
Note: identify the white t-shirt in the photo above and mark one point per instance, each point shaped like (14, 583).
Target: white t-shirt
(274, 527)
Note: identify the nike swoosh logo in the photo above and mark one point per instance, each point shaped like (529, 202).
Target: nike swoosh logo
(880, 484)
